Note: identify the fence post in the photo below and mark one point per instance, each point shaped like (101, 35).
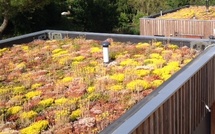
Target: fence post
(213, 119)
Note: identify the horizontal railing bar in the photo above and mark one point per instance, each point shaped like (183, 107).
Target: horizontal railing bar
(24, 38)
(130, 38)
(99, 36)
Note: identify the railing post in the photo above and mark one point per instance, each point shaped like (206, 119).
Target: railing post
(213, 119)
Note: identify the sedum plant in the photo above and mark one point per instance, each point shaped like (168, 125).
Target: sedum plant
(46, 102)
(75, 114)
(138, 85)
(63, 85)
(35, 128)
(14, 110)
(32, 94)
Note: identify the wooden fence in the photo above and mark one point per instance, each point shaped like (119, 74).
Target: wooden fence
(185, 28)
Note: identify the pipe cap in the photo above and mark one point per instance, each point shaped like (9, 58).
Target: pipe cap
(105, 43)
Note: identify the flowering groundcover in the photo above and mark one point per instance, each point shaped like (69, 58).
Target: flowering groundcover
(63, 86)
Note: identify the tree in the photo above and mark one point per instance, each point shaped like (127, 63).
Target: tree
(10, 8)
(94, 15)
(48, 17)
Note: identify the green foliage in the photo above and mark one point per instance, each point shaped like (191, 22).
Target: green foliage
(94, 15)
(177, 3)
(38, 19)
(28, 15)
(119, 16)
(12, 7)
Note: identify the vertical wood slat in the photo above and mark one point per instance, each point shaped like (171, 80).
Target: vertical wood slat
(177, 113)
(187, 107)
(157, 122)
(199, 101)
(173, 111)
(165, 27)
(166, 118)
(152, 124)
(161, 120)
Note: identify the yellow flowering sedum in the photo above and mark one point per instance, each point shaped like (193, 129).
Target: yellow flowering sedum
(14, 110)
(58, 52)
(118, 77)
(28, 115)
(129, 62)
(35, 128)
(157, 83)
(32, 94)
(61, 101)
(25, 48)
(75, 114)
(91, 89)
(158, 44)
(116, 87)
(46, 102)
(18, 89)
(66, 79)
(3, 50)
(79, 58)
(142, 72)
(95, 50)
(173, 64)
(36, 85)
(172, 46)
(4, 90)
(73, 101)
(165, 76)
(187, 61)
(142, 45)
(155, 62)
(167, 70)
(138, 85)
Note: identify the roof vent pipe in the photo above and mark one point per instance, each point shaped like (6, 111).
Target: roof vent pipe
(161, 12)
(105, 45)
